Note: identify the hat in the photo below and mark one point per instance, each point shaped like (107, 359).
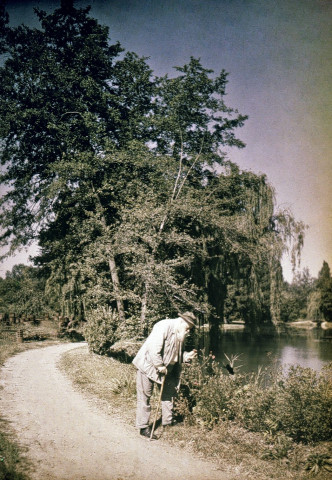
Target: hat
(189, 318)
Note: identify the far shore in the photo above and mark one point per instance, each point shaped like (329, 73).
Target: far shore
(303, 324)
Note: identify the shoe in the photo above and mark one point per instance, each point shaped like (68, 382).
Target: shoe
(168, 425)
(146, 432)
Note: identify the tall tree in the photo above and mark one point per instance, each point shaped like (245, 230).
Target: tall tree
(324, 285)
(62, 103)
(191, 124)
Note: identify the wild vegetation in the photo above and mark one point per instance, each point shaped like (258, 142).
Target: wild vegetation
(296, 403)
(121, 178)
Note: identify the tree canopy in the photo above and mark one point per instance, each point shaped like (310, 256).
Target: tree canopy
(121, 178)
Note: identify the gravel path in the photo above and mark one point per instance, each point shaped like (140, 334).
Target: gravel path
(69, 438)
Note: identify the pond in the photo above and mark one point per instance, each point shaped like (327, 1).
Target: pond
(307, 348)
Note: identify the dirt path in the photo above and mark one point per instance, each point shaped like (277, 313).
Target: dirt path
(69, 438)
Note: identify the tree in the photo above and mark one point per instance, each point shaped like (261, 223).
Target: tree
(130, 196)
(62, 103)
(324, 286)
(296, 296)
(22, 292)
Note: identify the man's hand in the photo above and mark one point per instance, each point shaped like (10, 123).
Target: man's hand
(191, 355)
(162, 370)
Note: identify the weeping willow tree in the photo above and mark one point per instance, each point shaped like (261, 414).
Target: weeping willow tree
(245, 275)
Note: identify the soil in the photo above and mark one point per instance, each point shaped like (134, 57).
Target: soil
(68, 437)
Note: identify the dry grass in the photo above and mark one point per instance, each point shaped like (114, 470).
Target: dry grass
(107, 380)
(252, 456)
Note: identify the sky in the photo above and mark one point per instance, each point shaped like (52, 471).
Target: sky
(279, 58)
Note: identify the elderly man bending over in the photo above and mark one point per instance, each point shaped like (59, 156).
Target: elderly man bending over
(161, 354)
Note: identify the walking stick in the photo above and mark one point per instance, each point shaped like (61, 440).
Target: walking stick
(158, 405)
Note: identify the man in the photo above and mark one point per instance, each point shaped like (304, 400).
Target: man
(161, 354)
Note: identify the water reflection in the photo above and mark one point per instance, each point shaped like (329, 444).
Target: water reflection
(305, 348)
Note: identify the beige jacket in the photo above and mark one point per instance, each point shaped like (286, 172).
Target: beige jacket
(159, 349)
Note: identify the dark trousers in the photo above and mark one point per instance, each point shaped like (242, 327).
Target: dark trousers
(144, 387)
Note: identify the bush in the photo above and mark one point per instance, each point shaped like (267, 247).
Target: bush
(100, 330)
(208, 391)
(251, 403)
(303, 406)
(295, 404)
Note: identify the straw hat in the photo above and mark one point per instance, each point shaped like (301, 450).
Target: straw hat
(189, 318)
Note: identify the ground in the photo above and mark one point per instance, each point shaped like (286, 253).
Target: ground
(68, 437)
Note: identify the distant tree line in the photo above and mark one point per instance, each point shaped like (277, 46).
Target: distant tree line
(307, 297)
(22, 292)
(122, 179)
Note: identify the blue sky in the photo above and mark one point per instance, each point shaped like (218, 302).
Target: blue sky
(278, 55)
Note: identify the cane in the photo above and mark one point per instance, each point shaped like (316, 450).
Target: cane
(159, 400)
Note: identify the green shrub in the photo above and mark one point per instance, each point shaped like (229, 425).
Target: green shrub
(317, 462)
(294, 404)
(210, 390)
(303, 406)
(251, 404)
(101, 328)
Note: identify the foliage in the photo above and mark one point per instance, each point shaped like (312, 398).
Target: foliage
(131, 198)
(302, 405)
(22, 292)
(295, 404)
(279, 447)
(313, 309)
(324, 285)
(307, 297)
(296, 296)
(101, 329)
(316, 462)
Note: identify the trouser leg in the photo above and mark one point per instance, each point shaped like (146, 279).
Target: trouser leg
(167, 398)
(144, 387)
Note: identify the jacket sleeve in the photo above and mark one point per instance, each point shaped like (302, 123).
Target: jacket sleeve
(185, 357)
(156, 345)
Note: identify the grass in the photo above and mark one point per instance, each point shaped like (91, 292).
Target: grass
(251, 455)
(13, 463)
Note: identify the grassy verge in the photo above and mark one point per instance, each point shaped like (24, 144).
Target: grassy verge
(13, 463)
(251, 455)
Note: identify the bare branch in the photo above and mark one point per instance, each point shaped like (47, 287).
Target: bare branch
(191, 167)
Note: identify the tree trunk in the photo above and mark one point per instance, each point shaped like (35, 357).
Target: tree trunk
(111, 262)
(144, 304)
(116, 286)
(215, 336)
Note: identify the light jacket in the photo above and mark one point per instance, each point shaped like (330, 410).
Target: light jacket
(159, 349)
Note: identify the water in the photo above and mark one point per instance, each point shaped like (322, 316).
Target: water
(307, 348)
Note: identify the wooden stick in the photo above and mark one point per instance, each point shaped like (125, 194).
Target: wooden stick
(159, 401)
